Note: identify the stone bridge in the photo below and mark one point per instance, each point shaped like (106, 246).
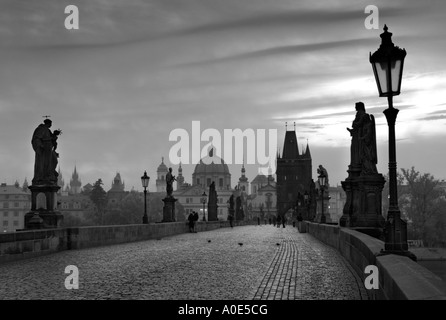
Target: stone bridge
(164, 261)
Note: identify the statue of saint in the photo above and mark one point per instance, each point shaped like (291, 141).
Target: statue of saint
(231, 202)
(212, 194)
(363, 147)
(44, 143)
(169, 182)
(322, 170)
(368, 155)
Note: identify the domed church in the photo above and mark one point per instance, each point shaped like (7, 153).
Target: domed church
(210, 169)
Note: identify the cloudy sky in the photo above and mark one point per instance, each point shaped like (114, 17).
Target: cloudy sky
(138, 69)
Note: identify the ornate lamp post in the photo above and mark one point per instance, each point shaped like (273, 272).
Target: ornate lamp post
(203, 200)
(145, 183)
(299, 212)
(387, 63)
(322, 180)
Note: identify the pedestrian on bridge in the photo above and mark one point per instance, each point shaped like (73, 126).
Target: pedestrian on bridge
(231, 218)
(195, 221)
(191, 220)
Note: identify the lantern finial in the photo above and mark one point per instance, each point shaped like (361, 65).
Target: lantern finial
(386, 38)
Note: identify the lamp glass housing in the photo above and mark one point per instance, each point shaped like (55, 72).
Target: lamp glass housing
(387, 64)
(145, 180)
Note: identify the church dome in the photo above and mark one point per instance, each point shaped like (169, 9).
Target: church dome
(212, 169)
(216, 166)
(162, 167)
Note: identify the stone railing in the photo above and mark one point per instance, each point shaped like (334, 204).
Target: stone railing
(27, 244)
(400, 278)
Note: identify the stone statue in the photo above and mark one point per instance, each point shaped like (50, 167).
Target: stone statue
(212, 204)
(368, 153)
(231, 202)
(322, 170)
(169, 182)
(238, 208)
(212, 193)
(44, 143)
(363, 146)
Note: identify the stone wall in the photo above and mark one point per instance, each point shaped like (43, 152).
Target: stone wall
(26, 244)
(400, 278)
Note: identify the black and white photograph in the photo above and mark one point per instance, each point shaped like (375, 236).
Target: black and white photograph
(222, 158)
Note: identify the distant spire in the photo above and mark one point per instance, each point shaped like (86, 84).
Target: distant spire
(307, 151)
(162, 159)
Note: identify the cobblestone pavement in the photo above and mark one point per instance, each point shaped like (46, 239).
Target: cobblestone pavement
(250, 262)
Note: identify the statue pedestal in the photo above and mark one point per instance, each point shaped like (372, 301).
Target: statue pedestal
(363, 208)
(169, 209)
(43, 214)
(212, 212)
(327, 217)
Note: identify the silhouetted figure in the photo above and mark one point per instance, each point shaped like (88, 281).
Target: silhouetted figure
(231, 219)
(322, 170)
(212, 203)
(269, 220)
(278, 221)
(44, 143)
(231, 202)
(363, 147)
(368, 154)
(195, 221)
(169, 182)
(191, 220)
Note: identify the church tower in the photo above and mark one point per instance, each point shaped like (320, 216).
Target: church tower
(161, 177)
(75, 183)
(294, 173)
(180, 178)
(243, 183)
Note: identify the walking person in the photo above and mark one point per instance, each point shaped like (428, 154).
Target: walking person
(195, 221)
(190, 218)
(231, 218)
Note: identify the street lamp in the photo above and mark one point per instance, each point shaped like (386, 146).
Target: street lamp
(387, 63)
(145, 183)
(322, 180)
(203, 200)
(298, 211)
